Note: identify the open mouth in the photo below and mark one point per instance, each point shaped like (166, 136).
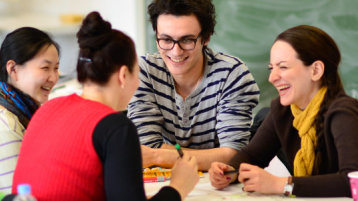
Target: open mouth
(178, 60)
(283, 88)
(46, 88)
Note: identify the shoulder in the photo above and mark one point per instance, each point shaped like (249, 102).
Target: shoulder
(57, 101)
(117, 121)
(222, 59)
(151, 59)
(343, 103)
(116, 125)
(9, 122)
(153, 65)
(227, 66)
(119, 118)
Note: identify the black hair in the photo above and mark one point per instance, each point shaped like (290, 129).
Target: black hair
(22, 45)
(103, 50)
(204, 11)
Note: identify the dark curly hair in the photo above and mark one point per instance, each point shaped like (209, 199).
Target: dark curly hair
(204, 10)
(103, 50)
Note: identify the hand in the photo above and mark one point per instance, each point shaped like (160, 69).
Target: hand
(256, 179)
(217, 177)
(184, 175)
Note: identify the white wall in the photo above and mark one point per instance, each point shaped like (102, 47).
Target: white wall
(125, 15)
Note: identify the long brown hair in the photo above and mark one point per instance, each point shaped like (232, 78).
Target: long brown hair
(312, 44)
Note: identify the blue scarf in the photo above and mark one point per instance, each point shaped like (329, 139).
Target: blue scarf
(22, 105)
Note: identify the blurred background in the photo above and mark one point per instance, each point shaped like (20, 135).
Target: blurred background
(245, 28)
(62, 18)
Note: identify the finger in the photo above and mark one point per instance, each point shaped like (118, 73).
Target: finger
(186, 157)
(249, 188)
(221, 168)
(218, 178)
(245, 167)
(219, 184)
(217, 174)
(244, 176)
(193, 162)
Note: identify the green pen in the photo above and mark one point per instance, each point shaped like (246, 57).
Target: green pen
(177, 146)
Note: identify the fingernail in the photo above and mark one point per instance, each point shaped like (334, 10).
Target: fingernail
(228, 178)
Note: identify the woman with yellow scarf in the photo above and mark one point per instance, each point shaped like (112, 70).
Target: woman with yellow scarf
(313, 122)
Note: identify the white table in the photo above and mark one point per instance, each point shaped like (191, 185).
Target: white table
(203, 191)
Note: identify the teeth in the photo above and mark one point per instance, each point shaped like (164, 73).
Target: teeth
(47, 88)
(282, 87)
(177, 60)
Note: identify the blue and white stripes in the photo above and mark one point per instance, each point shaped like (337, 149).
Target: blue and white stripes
(217, 114)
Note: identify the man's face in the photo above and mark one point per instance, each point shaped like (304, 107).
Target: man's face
(181, 62)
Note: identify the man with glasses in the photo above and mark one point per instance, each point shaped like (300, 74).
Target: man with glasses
(189, 94)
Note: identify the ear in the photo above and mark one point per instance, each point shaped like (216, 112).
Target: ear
(206, 43)
(11, 70)
(122, 75)
(317, 70)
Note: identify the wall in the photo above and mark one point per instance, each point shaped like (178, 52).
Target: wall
(128, 16)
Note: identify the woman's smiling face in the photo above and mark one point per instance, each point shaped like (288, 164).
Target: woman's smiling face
(291, 78)
(39, 75)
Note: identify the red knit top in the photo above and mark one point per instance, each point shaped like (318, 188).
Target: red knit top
(70, 148)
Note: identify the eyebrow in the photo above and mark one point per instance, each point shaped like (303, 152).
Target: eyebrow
(49, 62)
(278, 63)
(185, 36)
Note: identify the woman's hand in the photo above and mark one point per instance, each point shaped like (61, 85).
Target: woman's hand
(184, 175)
(256, 179)
(217, 177)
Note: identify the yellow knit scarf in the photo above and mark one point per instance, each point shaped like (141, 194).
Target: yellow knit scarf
(303, 122)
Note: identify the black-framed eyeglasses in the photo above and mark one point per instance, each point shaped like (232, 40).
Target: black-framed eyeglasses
(184, 43)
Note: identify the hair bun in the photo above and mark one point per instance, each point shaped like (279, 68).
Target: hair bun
(94, 32)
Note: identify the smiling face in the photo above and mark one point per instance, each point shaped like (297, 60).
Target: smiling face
(37, 76)
(295, 82)
(181, 62)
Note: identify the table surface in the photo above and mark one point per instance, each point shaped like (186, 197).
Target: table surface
(203, 191)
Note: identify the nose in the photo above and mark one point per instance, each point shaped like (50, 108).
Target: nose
(274, 76)
(53, 76)
(177, 49)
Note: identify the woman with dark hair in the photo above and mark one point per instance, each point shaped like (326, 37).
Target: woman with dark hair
(313, 121)
(29, 61)
(92, 152)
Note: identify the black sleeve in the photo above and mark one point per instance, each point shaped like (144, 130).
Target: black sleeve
(116, 142)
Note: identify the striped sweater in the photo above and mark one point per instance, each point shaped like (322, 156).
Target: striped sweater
(217, 113)
(11, 134)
